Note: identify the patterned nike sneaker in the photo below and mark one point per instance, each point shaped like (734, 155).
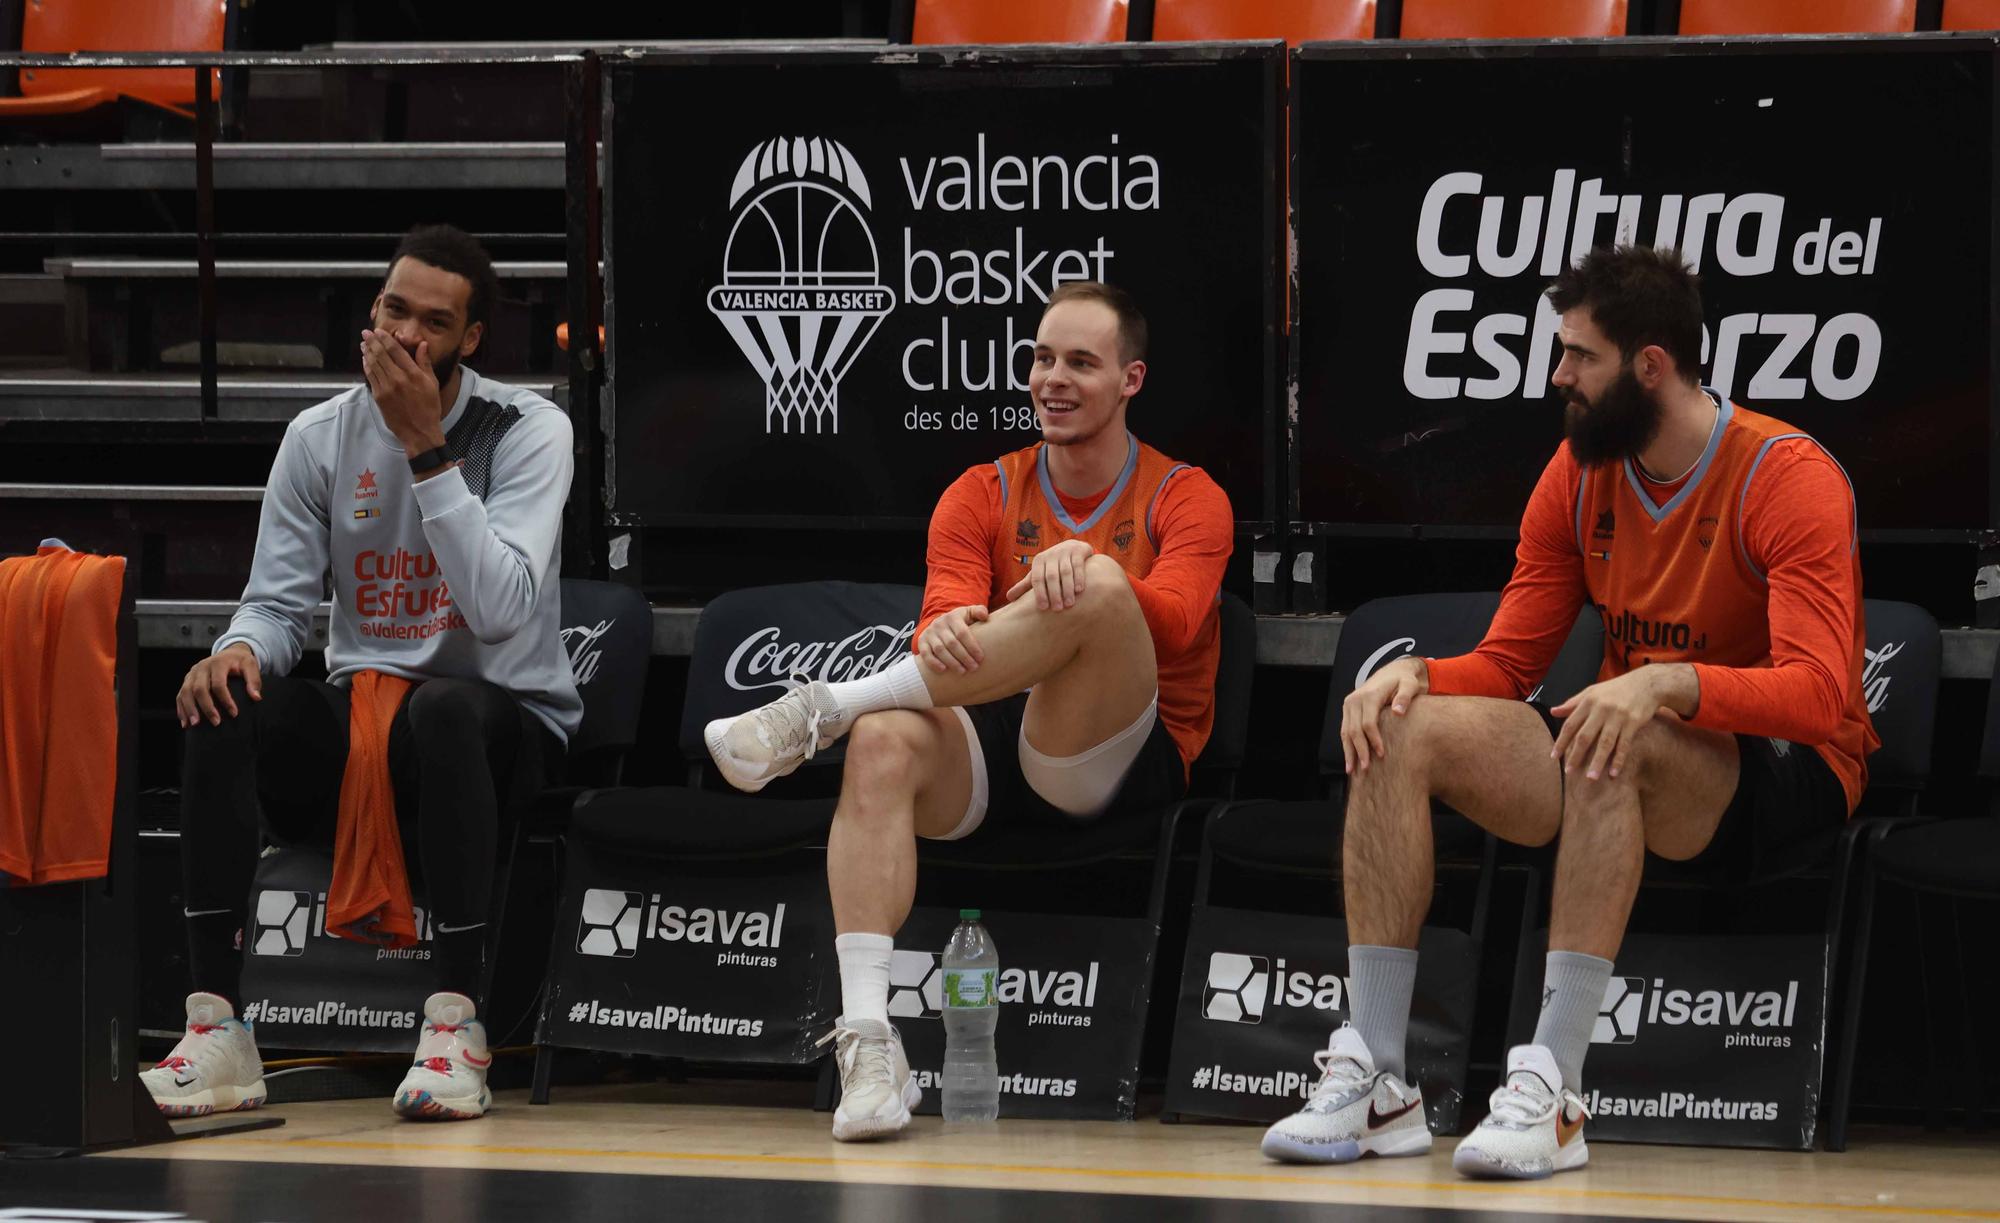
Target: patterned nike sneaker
(1354, 1110)
(755, 748)
(448, 1081)
(876, 1090)
(214, 1069)
(1535, 1128)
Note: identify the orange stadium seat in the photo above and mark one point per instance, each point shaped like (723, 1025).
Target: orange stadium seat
(983, 21)
(1513, 18)
(1971, 15)
(1291, 20)
(57, 27)
(1798, 16)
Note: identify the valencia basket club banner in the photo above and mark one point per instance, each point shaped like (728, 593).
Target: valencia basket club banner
(1262, 992)
(1835, 195)
(305, 987)
(681, 961)
(824, 270)
(1708, 1041)
(1072, 993)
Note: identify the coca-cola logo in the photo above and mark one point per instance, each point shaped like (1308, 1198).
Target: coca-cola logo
(765, 659)
(578, 641)
(1875, 675)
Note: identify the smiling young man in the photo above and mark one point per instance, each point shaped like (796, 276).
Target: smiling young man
(434, 497)
(1064, 668)
(1727, 726)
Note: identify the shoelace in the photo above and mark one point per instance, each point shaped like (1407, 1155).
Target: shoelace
(180, 1061)
(853, 1047)
(781, 722)
(437, 1065)
(451, 1027)
(1335, 1072)
(1520, 1107)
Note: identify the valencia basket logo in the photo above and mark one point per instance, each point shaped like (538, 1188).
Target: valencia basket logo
(801, 290)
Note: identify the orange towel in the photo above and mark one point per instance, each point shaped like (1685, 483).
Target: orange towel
(58, 714)
(369, 901)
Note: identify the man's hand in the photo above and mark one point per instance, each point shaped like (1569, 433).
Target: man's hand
(948, 645)
(405, 389)
(1056, 576)
(1600, 721)
(205, 691)
(1394, 686)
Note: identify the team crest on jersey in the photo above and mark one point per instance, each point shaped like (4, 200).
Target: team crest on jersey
(1704, 531)
(1122, 534)
(1028, 534)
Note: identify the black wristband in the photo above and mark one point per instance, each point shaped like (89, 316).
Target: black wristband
(429, 460)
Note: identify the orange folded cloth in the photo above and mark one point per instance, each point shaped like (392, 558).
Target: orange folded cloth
(58, 713)
(369, 900)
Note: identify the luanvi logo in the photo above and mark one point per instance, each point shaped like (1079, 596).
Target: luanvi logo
(801, 290)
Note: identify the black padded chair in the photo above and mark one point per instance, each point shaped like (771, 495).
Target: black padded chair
(1952, 859)
(1303, 837)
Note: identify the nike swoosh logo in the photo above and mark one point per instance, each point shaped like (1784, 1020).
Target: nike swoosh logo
(184, 1082)
(1567, 1129)
(1378, 1120)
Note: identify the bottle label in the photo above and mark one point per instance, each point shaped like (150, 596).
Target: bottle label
(968, 987)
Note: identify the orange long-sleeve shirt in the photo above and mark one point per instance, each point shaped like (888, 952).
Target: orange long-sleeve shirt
(1191, 528)
(1746, 568)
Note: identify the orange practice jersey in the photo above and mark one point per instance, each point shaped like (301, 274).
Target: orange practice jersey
(1167, 523)
(1746, 567)
(58, 714)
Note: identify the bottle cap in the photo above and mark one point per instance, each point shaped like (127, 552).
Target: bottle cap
(968, 915)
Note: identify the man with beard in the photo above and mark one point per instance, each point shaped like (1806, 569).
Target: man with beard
(1064, 669)
(434, 496)
(1727, 726)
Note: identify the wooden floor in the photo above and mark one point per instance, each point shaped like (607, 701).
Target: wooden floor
(765, 1132)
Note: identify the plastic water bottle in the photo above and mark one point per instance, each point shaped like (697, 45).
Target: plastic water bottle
(971, 1012)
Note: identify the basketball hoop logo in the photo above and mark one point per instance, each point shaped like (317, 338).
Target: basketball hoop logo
(801, 290)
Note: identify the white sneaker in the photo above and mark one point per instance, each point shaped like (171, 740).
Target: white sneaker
(751, 749)
(1354, 1110)
(214, 1069)
(1535, 1128)
(876, 1091)
(448, 1081)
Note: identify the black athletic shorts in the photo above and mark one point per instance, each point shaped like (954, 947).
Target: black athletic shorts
(1787, 812)
(1155, 779)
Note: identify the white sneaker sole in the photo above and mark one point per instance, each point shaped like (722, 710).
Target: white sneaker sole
(421, 1105)
(1287, 1149)
(214, 1100)
(744, 777)
(1472, 1162)
(847, 1129)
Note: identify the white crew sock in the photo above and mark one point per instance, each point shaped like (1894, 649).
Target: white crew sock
(864, 976)
(900, 685)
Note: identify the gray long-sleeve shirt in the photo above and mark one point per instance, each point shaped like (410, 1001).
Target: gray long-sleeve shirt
(454, 577)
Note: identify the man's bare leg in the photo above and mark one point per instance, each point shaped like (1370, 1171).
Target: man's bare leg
(1669, 798)
(907, 775)
(1487, 758)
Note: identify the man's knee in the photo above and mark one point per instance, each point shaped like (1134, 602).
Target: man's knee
(1107, 591)
(451, 706)
(886, 752)
(233, 733)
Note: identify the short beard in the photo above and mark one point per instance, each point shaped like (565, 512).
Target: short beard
(1622, 422)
